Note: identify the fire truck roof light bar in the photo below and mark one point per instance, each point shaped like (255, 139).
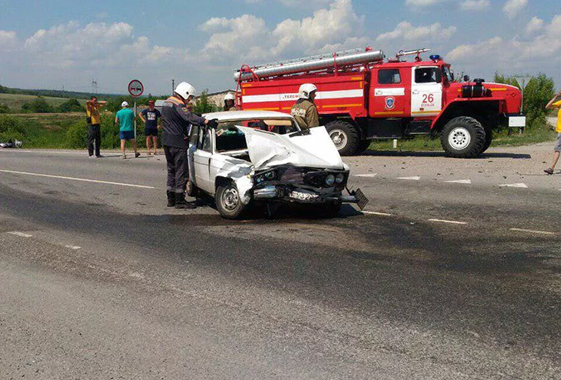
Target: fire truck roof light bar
(321, 62)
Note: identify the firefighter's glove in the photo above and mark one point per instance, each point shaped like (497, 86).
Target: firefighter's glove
(212, 124)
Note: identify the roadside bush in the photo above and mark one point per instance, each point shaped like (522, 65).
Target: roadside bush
(37, 105)
(11, 128)
(71, 105)
(76, 136)
(4, 108)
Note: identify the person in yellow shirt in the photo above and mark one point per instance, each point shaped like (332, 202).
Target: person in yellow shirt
(93, 108)
(555, 103)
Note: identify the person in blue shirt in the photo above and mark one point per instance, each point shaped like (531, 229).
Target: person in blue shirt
(125, 119)
(151, 116)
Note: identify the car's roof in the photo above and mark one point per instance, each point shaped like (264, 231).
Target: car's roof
(244, 115)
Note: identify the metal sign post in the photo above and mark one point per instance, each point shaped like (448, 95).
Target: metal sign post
(136, 89)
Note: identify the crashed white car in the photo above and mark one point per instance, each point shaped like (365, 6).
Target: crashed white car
(264, 157)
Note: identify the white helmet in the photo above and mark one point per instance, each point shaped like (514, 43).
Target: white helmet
(125, 104)
(229, 96)
(185, 90)
(305, 90)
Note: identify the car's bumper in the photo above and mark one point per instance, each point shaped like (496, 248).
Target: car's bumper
(291, 194)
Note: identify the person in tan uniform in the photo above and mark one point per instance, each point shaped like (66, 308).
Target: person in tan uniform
(305, 111)
(230, 102)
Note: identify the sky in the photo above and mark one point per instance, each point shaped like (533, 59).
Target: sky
(66, 44)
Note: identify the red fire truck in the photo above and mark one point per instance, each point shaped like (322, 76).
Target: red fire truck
(362, 97)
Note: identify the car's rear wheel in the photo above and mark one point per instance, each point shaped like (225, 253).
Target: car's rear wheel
(229, 202)
(192, 189)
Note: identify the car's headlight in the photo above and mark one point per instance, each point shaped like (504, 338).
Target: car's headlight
(340, 178)
(267, 176)
(330, 180)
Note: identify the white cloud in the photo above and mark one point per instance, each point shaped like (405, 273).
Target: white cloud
(8, 40)
(247, 38)
(94, 45)
(536, 54)
(422, 3)
(513, 7)
(535, 25)
(407, 32)
(298, 3)
(475, 5)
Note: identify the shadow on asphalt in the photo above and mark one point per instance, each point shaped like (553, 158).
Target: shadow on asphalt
(442, 154)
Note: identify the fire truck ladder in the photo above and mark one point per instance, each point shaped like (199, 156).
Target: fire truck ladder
(314, 63)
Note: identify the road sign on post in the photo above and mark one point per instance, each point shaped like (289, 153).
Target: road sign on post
(136, 89)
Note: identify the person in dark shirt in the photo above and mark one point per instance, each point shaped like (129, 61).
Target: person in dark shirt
(177, 120)
(151, 117)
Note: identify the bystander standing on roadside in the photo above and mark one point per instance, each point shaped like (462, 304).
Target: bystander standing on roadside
(93, 116)
(555, 103)
(151, 117)
(176, 124)
(125, 119)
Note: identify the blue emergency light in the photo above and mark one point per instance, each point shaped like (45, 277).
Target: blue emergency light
(434, 57)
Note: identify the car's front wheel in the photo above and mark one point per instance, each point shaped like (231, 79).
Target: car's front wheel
(228, 201)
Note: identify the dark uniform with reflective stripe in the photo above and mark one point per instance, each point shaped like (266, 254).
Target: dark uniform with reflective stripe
(306, 113)
(176, 125)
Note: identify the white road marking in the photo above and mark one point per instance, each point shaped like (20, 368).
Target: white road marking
(75, 247)
(372, 175)
(464, 181)
(376, 213)
(533, 231)
(78, 179)
(21, 234)
(416, 178)
(519, 185)
(447, 221)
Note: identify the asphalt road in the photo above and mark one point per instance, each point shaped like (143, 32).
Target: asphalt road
(437, 280)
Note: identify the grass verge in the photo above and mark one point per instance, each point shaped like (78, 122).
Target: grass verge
(500, 138)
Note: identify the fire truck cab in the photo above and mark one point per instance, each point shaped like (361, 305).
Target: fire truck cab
(362, 97)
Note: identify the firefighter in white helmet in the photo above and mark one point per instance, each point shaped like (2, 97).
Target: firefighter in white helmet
(305, 111)
(177, 120)
(230, 102)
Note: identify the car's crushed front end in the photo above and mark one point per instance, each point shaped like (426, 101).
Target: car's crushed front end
(303, 167)
(301, 185)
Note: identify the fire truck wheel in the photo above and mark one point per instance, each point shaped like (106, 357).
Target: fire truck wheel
(363, 146)
(488, 140)
(345, 137)
(463, 137)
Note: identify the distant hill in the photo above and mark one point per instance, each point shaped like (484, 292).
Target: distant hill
(51, 93)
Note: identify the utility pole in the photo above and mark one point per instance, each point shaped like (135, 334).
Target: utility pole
(172, 86)
(94, 87)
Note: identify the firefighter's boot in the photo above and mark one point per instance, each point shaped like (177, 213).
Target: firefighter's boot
(181, 203)
(171, 198)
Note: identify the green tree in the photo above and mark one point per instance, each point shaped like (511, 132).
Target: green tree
(71, 105)
(539, 90)
(37, 105)
(203, 104)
